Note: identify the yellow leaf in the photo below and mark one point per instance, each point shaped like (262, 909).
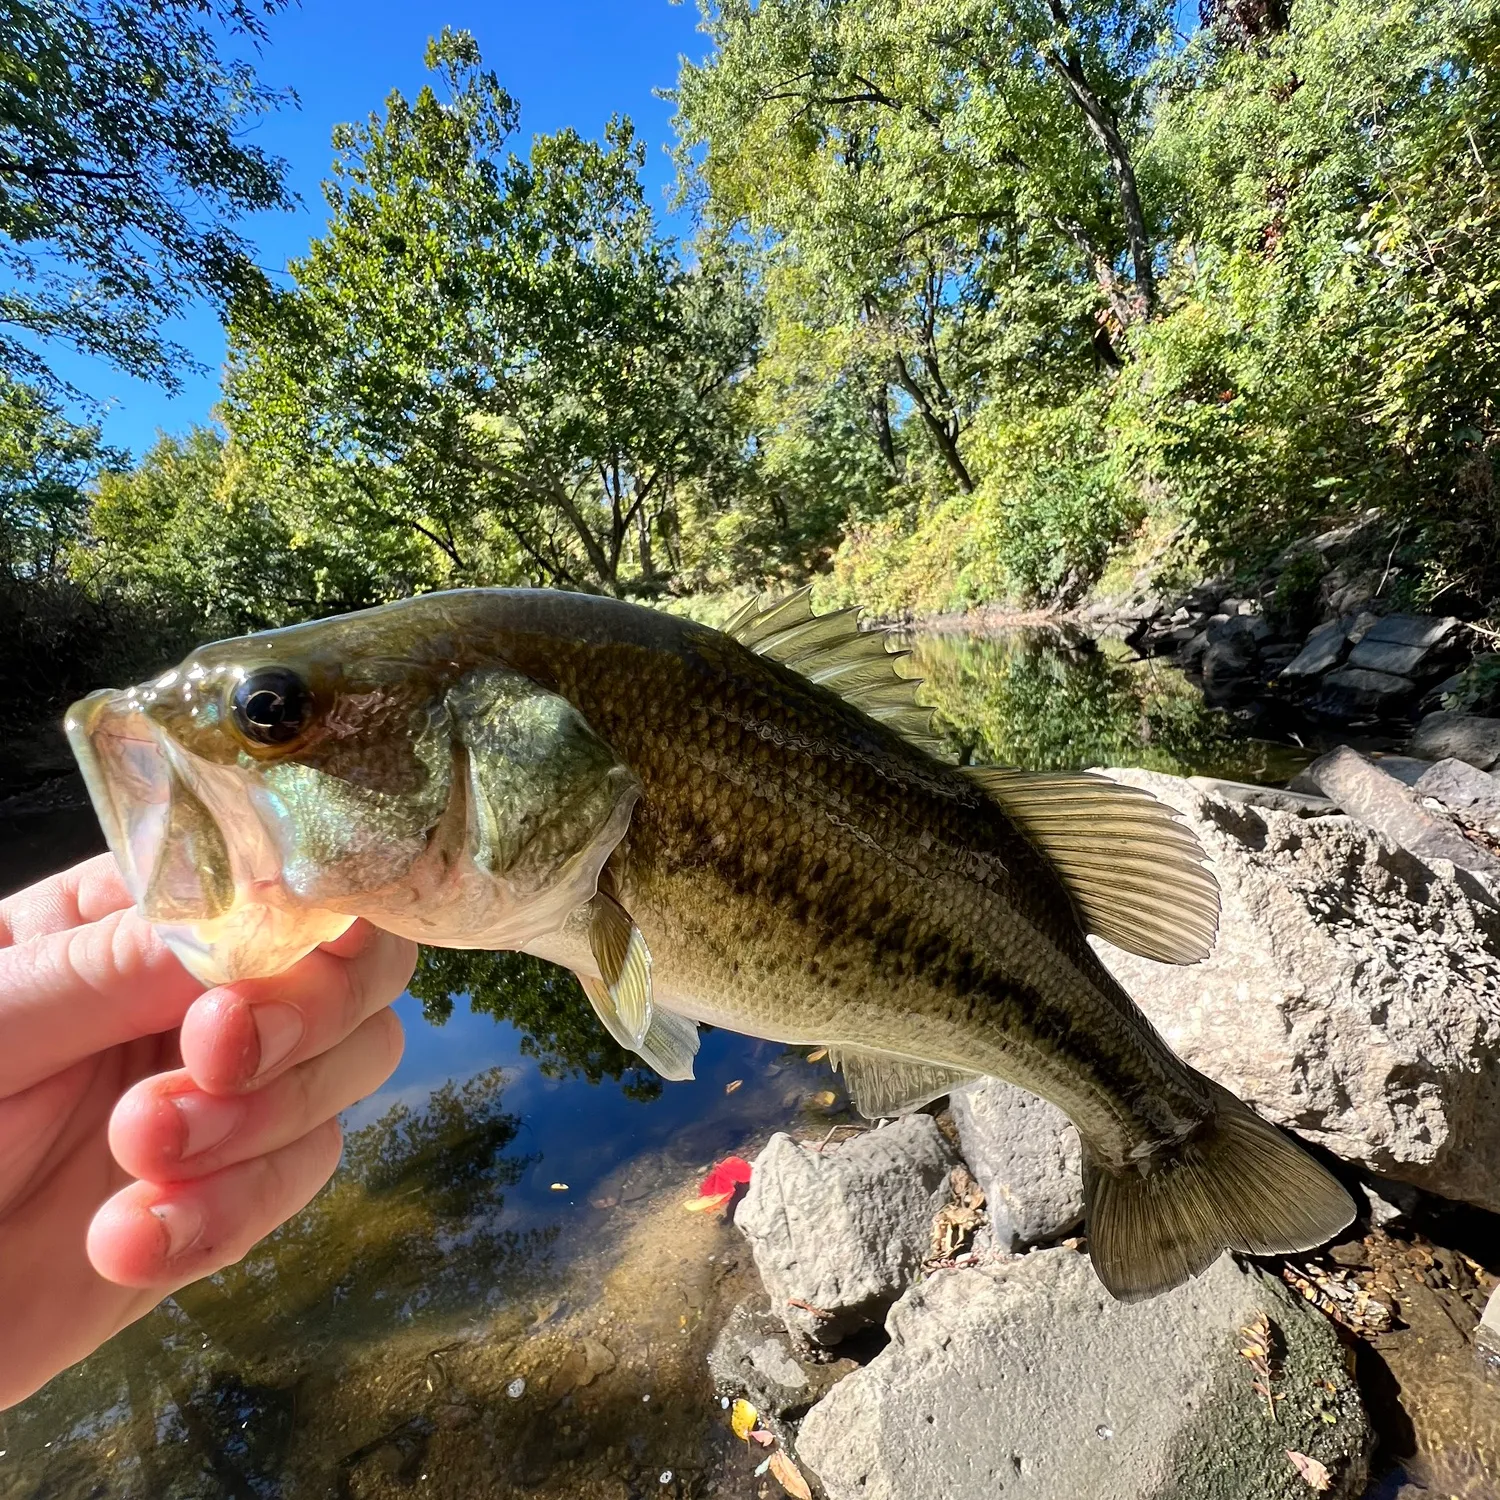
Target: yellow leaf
(823, 1099)
(729, 1088)
(817, 1056)
(742, 1418)
(702, 1205)
(789, 1476)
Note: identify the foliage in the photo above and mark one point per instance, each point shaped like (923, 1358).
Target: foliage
(46, 465)
(502, 356)
(205, 533)
(122, 170)
(546, 1004)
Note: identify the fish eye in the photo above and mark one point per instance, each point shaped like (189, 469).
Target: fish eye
(270, 706)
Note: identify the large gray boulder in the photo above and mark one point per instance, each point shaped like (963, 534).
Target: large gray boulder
(845, 1231)
(1464, 789)
(1353, 994)
(1025, 1154)
(1025, 1379)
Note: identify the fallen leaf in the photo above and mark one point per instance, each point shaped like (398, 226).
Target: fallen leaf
(742, 1418)
(762, 1466)
(729, 1088)
(708, 1203)
(1316, 1474)
(764, 1438)
(789, 1476)
(719, 1186)
(823, 1099)
(559, 1187)
(817, 1056)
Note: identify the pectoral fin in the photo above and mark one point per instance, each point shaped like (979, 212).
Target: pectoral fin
(882, 1084)
(624, 964)
(670, 1042)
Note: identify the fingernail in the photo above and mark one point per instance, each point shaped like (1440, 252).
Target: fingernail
(205, 1121)
(183, 1223)
(279, 1028)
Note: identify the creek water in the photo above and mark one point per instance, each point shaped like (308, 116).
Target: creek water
(501, 1293)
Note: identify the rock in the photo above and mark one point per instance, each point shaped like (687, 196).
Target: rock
(1283, 799)
(1463, 789)
(1360, 625)
(1024, 1379)
(1381, 802)
(845, 1230)
(1356, 693)
(1190, 656)
(1461, 736)
(1405, 768)
(1420, 632)
(1487, 1334)
(1026, 1156)
(1324, 649)
(1387, 656)
(1353, 994)
(1227, 664)
(753, 1357)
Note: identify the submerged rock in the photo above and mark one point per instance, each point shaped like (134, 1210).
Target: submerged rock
(1358, 693)
(1353, 994)
(1025, 1379)
(753, 1357)
(1026, 1156)
(845, 1231)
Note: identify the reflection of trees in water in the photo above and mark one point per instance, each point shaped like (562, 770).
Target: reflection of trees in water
(198, 1398)
(543, 1002)
(1047, 701)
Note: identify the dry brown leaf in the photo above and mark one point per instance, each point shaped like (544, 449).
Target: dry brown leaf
(789, 1476)
(729, 1088)
(1316, 1474)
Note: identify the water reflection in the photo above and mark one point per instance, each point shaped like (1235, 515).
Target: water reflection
(1054, 700)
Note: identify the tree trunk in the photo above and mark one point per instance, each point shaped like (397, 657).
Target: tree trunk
(943, 431)
(1101, 120)
(881, 404)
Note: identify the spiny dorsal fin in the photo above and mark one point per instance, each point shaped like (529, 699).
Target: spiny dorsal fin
(624, 962)
(858, 665)
(1136, 871)
(881, 1084)
(670, 1042)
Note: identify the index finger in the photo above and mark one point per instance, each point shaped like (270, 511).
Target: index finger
(69, 899)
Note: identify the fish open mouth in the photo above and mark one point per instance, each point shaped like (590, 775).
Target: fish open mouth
(174, 860)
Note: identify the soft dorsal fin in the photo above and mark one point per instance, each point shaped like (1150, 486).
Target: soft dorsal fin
(1135, 871)
(881, 1084)
(858, 665)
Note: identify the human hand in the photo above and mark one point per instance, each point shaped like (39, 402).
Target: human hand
(151, 1131)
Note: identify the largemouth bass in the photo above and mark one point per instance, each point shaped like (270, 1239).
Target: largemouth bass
(743, 827)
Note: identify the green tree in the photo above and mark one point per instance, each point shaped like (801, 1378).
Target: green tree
(47, 463)
(945, 190)
(501, 355)
(122, 171)
(200, 531)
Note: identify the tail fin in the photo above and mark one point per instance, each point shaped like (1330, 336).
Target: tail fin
(1240, 1184)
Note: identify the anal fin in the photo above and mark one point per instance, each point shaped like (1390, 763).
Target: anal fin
(882, 1084)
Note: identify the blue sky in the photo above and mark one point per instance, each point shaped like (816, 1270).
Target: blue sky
(568, 62)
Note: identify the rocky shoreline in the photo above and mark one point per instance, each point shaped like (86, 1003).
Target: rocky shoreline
(1312, 643)
(1354, 998)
